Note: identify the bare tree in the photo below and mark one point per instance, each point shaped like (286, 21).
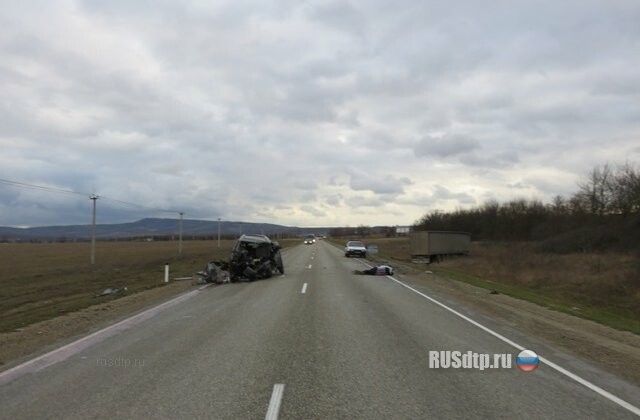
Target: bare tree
(597, 191)
(626, 190)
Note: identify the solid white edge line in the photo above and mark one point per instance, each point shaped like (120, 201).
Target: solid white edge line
(62, 353)
(635, 410)
(304, 288)
(274, 403)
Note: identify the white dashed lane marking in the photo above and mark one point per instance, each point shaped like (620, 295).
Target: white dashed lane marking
(274, 404)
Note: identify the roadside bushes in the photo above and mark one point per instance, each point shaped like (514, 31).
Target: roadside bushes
(604, 214)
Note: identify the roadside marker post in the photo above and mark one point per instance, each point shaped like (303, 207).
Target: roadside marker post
(166, 273)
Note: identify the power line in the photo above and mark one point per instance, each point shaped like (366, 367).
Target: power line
(39, 187)
(128, 203)
(26, 185)
(94, 197)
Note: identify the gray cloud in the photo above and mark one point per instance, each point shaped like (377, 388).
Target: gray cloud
(495, 160)
(446, 146)
(359, 201)
(371, 181)
(334, 200)
(438, 196)
(313, 211)
(442, 193)
(255, 110)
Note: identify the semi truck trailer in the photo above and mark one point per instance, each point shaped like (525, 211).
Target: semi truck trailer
(431, 246)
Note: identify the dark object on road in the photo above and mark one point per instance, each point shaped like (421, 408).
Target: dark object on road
(215, 272)
(380, 270)
(255, 257)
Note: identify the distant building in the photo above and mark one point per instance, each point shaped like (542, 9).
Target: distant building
(403, 230)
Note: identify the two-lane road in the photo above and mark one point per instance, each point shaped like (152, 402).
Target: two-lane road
(330, 343)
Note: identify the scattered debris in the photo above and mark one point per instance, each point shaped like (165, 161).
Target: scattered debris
(111, 291)
(182, 278)
(214, 272)
(428, 272)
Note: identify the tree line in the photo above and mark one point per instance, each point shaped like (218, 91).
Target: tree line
(361, 231)
(604, 213)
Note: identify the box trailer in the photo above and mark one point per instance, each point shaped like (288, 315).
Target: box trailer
(431, 246)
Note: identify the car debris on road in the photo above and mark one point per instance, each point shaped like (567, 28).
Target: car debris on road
(215, 272)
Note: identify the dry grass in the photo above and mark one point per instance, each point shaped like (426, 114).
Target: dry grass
(41, 281)
(601, 286)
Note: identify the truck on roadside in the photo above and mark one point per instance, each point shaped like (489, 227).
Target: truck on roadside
(433, 246)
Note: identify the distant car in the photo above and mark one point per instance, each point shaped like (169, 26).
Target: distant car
(309, 240)
(255, 257)
(356, 248)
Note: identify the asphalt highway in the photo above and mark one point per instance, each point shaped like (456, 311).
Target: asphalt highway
(316, 343)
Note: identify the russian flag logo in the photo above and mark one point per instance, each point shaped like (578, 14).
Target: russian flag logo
(527, 361)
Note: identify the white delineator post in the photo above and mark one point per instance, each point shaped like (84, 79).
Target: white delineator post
(218, 232)
(180, 239)
(94, 198)
(166, 273)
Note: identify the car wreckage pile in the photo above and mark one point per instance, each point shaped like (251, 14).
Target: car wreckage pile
(253, 257)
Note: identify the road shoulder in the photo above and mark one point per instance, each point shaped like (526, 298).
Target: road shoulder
(614, 351)
(32, 340)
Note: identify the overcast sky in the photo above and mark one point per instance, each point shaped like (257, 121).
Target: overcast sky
(310, 113)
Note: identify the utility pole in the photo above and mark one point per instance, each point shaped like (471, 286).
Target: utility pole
(94, 198)
(218, 232)
(180, 237)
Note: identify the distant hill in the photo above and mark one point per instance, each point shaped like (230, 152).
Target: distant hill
(151, 227)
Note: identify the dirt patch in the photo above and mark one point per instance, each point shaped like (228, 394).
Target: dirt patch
(613, 350)
(40, 337)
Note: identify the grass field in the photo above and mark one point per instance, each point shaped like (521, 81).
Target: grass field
(602, 287)
(41, 281)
